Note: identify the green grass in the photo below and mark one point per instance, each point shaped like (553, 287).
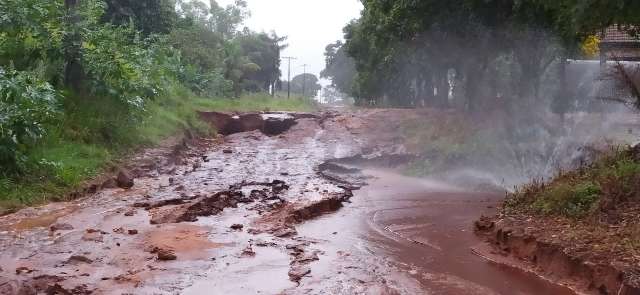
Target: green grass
(96, 132)
(258, 102)
(601, 186)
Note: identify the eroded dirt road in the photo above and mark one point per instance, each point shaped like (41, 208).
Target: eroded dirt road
(263, 214)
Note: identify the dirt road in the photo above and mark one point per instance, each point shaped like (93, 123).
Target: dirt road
(263, 214)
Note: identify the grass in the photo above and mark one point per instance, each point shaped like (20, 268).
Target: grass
(590, 211)
(598, 188)
(95, 133)
(258, 102)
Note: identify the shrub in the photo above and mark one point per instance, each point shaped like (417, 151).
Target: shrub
(573, 200)
(26, 104)
(118, 65)
(599, 188)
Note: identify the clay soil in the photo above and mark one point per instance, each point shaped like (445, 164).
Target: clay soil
(592, 257)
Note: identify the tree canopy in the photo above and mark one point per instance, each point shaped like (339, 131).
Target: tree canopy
(415, 52)
(305, 84)
(57, 54)
(148, 16)
(340, 67)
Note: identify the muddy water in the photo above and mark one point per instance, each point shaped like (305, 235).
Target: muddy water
(397, 235)
(402, 235)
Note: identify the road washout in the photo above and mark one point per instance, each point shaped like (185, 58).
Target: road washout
(246, 213)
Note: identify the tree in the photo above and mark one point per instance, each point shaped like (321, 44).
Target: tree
(263, 50)
(31, 37)
(410, 52)
(340, 67)
(208, 38)
(305, 84)
(237, 66)
(148, 16)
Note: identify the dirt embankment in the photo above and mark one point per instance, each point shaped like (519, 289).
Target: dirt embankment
(580, 228)
(590, 257)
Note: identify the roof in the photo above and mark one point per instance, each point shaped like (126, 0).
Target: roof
(615, 34)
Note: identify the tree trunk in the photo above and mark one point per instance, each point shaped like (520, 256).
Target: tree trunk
(443, 89)
(472, 89)
(73, 72)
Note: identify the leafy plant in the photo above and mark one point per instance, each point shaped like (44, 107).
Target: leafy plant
(31, 36)
(568, 199)
(27, 103)
(117, 62)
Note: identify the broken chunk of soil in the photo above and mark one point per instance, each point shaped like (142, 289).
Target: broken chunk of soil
(297, 272)
(93, 236)
(60, 226)
(258, 195)
(284, 232)
(274, 125)
(164, 254)
(23, 270)
(79, 259)
(44, 284)
(124, 179)
(484, 224)
(162, 203)
(248, 252)
(330, 203)
(268, 123)
(200, 207)
(109, 183)
(353, 178)
(278, 186)
(237, 227)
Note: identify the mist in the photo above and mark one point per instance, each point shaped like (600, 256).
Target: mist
(530, 111)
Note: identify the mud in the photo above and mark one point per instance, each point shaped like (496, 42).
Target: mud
(515, 245)
(266, 209)
(401, 235)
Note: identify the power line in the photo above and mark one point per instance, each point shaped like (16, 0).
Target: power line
(289, 58)
(304, 79)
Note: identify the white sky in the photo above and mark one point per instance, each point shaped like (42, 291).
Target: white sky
(310, 26)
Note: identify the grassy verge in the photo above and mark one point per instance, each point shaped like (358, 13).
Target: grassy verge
(93, 134)
(591, 190)
(596, 206)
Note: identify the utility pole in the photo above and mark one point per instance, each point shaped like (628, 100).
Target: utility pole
(289, 58)
(304, 79)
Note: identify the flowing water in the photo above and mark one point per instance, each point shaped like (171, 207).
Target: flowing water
(411, 236)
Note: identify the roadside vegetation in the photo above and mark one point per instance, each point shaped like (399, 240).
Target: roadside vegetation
(592, 211)
(595, 191)
(83, 83)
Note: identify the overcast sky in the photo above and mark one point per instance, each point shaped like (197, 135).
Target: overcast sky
(309, 24)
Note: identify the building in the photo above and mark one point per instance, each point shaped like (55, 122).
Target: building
(616, 44)
(619, 65)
